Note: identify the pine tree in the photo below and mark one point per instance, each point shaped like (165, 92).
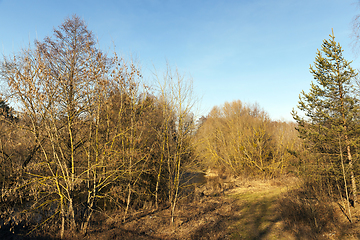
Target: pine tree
(330, 124)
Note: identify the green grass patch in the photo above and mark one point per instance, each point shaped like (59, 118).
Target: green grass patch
(257, 215)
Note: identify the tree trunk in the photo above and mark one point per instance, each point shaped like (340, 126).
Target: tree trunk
(345, 184)
(72, 215)
(352, 176)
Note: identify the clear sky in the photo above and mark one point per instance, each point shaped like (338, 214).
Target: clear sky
(252, 50)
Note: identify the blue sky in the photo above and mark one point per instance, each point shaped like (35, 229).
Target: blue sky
(255, 51)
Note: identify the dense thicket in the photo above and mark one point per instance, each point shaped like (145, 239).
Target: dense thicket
(89, 138)
(241, 139)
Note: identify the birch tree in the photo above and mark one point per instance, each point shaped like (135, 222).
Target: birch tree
(64, 87)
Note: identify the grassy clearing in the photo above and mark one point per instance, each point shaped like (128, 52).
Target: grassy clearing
(271, 210)
(257, 206)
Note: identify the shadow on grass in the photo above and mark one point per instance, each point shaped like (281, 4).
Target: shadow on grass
(214, 223)
(256, 218)
(306, 218)
(250, 216)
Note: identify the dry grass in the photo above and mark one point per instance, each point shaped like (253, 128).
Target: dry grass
(244, 209)
(310, 216)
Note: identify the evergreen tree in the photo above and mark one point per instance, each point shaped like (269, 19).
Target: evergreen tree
(330, 124)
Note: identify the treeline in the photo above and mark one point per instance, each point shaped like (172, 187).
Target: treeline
(241, 139)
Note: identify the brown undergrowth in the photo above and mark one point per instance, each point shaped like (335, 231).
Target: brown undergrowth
(242, 209)
(310, 215)
(239, 209)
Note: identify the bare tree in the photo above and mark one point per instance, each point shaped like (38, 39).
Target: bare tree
(64, 89)
(177, 102)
